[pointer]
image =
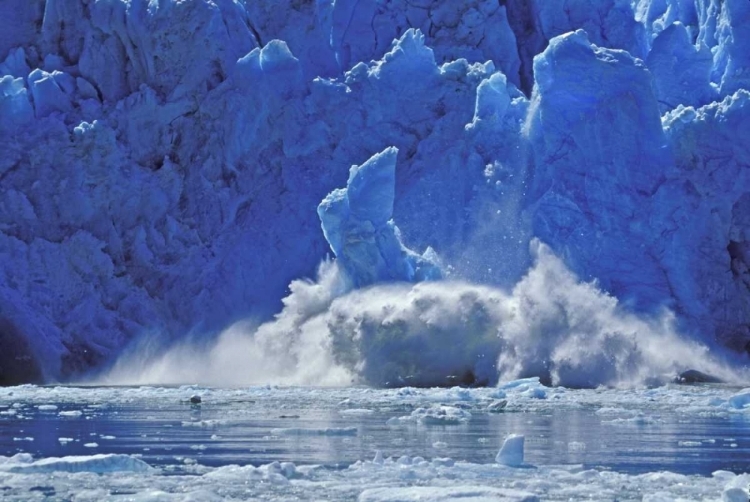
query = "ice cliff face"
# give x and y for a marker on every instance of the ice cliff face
(162, 162)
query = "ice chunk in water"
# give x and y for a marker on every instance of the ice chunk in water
(734, 495)
(329, 431)
(511, 453)
(439, 494)
(740, 400)
(94, 463)
(497, 406)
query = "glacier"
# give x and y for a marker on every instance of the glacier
(163, 166)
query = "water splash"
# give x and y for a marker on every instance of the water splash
(549, 325)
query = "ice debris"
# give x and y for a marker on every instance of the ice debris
(328, 431)
(497, 406)
(434, 415)
(512, 452)
(740, 400)
(71, 413)
(444, 494)
(94, 463)
(735, 495)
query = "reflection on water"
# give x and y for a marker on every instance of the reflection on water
(171, 432)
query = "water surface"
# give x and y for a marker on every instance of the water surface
(241, 427)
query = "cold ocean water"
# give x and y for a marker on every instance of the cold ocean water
(152, 443)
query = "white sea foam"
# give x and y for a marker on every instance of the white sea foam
(550, 325)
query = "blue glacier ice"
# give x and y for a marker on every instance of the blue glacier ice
(357, 223)
(600, 156)
(162, 162)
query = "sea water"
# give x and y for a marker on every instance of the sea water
(693, 440)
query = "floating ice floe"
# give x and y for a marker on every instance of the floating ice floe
(443, 494)
(328, 431)
(434, 415)
(357, 411)
(71, 413)
(638, 419)
(689, 444)
(94, 464)
(497, 406)
(740, 400)
(512, 452)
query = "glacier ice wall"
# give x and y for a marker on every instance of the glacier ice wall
(162, 162)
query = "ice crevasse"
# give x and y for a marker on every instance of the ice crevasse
(162, 162)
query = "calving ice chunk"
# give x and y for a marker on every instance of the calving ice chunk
(357, 223)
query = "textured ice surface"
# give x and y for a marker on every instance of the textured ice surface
(162, 163)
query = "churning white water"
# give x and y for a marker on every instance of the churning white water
(550, 325)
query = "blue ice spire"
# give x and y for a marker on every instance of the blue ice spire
(357, 224)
